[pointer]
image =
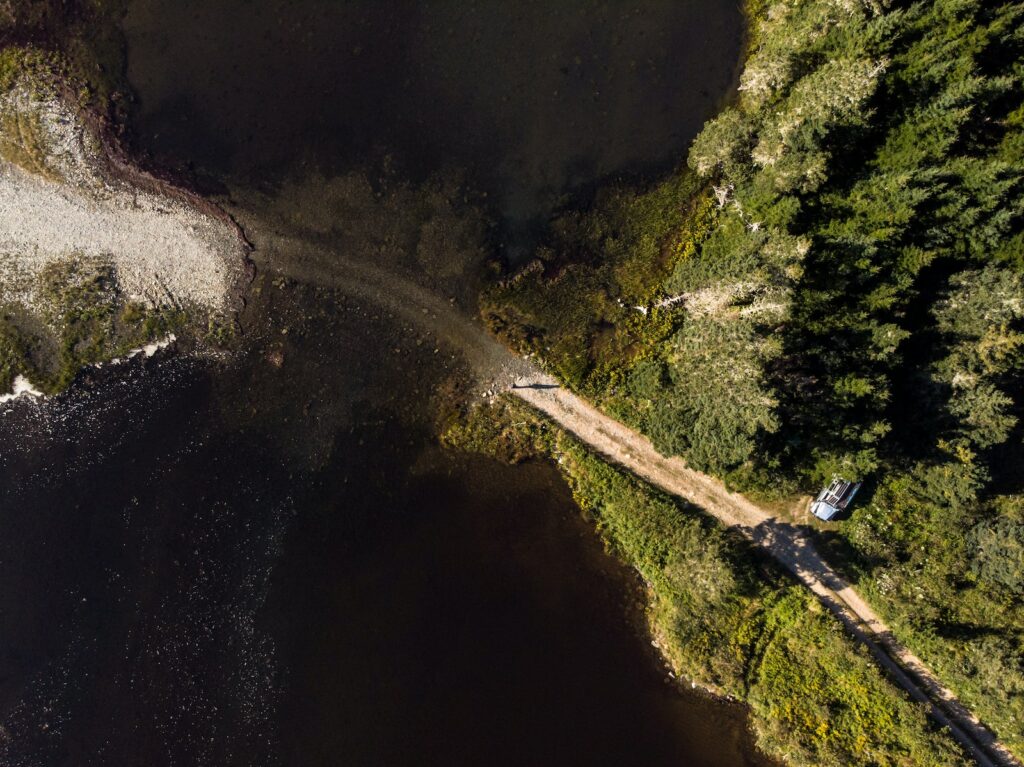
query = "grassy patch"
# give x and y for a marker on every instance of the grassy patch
(23, 143)
(80, 40)
(503, 428)
(82, 318)
(576, 305)
(852, 304)
(955, 600)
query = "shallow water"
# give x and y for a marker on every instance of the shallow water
(234, 563)
(533, 99)
(266, 560)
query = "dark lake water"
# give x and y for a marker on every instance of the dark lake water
(533, 98)
(237, 562)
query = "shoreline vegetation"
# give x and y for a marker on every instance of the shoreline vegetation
(725, 617)
(853, 216)
(99, 257)
(834, 285)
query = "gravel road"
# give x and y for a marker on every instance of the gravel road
(786, 542)
(499, 370)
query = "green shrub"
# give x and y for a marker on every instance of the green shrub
(82, 319)
(816, 697)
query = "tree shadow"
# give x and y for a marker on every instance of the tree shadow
(963, 632)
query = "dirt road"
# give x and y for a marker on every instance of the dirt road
(787, 543)
(499, 369)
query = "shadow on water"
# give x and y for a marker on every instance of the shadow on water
(534, 99)
(267, 560)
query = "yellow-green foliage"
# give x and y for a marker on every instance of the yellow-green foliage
(503, 428)
(577, 305)
(871, 181)
(727, 619)
(12, 351)
(871, 171)
(954, 599)
(23, 143)
(28, 63)
(82, 319)
(76, 43)
(220, 332)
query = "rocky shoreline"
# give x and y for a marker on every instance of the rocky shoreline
(98, 255)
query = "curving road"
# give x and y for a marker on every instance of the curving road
(498, 369)
(787, 543)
